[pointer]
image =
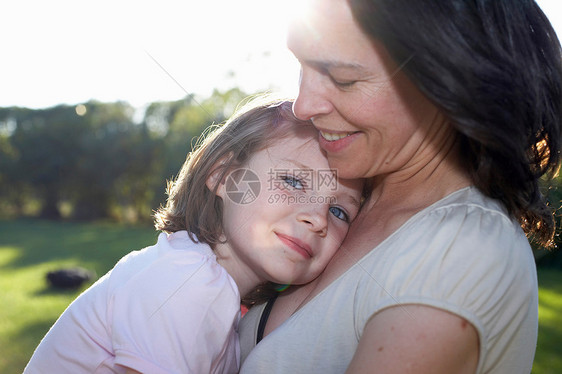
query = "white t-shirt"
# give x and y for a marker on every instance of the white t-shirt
(169, 308)
(463, 254)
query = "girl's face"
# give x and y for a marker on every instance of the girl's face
(300, 216)
(372, 119)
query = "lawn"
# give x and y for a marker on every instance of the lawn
(30, 248)
(548, 359)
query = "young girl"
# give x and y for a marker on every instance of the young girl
(255, 203)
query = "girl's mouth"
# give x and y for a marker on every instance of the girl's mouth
(296, 244)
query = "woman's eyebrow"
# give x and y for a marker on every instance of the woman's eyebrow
(334, 64)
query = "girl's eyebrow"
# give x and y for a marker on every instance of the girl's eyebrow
(354, 201)
(297, 163)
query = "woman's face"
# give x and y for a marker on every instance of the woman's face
(372, 120)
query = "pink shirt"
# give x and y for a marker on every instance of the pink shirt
(169, 308)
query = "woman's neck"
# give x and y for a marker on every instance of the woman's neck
(433, 175)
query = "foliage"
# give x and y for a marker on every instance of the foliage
(98, 163)
(552, 258)
(95, 160)
(548, 359)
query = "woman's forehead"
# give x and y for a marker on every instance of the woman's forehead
(319, 19)
(329, 38)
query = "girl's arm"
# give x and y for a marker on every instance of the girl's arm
(131, 371)
(416, 339)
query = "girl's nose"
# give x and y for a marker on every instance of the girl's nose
(315, 219)
(312, 99)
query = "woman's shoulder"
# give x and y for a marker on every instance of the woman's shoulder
(465, 217)
(460, 250)
(465, 255)
(468, 199)
(464, 227)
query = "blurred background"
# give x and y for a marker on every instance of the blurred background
(100, 102)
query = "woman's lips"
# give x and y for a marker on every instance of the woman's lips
(334, 142)
(332, 136)
(296, 245)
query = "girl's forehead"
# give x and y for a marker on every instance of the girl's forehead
(294, 134)
(296, 143)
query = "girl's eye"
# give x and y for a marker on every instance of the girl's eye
(339, 213)
(293, 182)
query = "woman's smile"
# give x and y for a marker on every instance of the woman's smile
(336, 142)
(331, 136)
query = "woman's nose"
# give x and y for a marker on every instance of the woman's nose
(312, 99)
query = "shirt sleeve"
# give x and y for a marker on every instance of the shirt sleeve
(467, 260)
(177, 315)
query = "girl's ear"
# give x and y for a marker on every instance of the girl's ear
(214, 179)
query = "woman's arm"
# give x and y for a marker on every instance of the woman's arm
(416, 339)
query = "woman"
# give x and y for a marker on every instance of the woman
(453, 108)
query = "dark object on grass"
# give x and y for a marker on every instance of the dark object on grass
(69, 278)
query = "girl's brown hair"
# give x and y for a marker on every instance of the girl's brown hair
(191, 205)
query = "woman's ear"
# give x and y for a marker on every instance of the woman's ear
(214, 180)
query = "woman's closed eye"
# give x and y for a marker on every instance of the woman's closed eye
(342, 83)
(339, 213)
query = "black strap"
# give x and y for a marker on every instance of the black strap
(264, 317)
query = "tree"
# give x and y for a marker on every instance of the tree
(95, 158)
(42, 143)
(181, 123)
(552, 257)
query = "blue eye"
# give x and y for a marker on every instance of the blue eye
(339, 213)
(293, 182)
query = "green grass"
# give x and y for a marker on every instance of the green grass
(548, 359)
(30, 248)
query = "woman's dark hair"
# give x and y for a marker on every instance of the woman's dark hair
(495, 69)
